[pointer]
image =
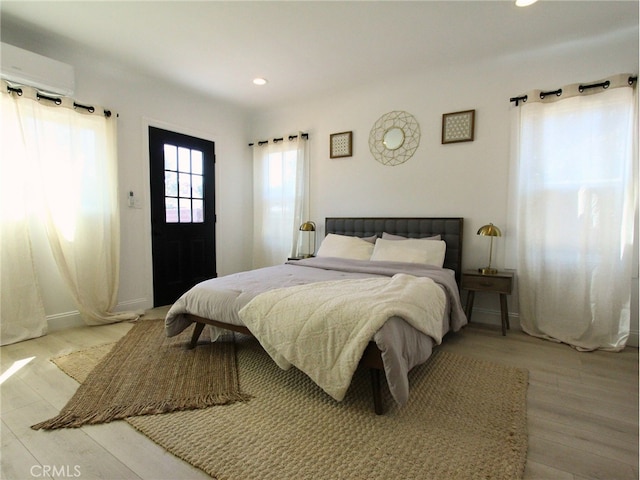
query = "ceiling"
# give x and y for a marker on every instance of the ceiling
(305, 48)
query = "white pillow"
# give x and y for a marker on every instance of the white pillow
(411, 250)
(343, 246)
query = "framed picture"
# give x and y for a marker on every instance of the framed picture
(340, 144)
(458, 126)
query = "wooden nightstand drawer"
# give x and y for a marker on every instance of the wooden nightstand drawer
(499, 283)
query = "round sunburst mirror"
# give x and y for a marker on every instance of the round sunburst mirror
(394, 138)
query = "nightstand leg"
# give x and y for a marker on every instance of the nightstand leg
(504, 313)
(470, 295)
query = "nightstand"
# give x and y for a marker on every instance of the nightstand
(501, 283)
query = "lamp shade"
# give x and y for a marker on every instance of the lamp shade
(525, 3)
(308, 227)
(489, 231)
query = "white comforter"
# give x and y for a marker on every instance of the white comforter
(323, 328)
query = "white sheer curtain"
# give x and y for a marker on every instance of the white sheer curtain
(59, 164)
(572, 211)
(280, 199)
(22, 313)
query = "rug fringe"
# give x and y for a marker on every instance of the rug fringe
(73, 420)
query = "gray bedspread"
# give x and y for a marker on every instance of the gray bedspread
(401, 345)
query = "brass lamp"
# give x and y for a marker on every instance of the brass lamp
(489, 231)
(310, 228)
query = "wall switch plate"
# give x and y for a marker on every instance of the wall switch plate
(133, 201)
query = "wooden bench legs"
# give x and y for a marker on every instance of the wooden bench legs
(377, 390)
(196, 335)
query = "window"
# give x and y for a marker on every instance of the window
(183, 180)
(58, 169)
(573, 216)
(280, 198)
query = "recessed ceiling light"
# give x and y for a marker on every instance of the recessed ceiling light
(525, 3)
(259, 81)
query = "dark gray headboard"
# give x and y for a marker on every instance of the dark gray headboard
(449, 228)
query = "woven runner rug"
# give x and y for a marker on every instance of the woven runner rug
(146, 373)
(466, 419)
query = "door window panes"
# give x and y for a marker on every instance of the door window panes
(185, 210)
(170, 157)
(196, 186)
(184, 159)
(196, 162)
(197, 207)
(183, 185)
(170, 184)
(171, 209)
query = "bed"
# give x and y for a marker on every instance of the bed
(297, 292)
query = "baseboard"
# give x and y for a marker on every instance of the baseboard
(61, 321)
(64, 320)
(138, 305)
(487, 316)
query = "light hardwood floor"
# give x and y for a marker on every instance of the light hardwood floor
(582, 411)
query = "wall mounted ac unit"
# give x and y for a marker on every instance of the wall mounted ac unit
(28, 68)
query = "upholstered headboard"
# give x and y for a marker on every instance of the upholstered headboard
(450, 230)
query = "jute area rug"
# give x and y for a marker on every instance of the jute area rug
(466, 419)
(146, 373)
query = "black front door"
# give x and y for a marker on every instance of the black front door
(182, 212)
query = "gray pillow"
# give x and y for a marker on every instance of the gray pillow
(390, 236)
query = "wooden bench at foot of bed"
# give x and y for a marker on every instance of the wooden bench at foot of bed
(371, 357)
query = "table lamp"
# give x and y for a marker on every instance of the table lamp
(489, 231)
(310, 228)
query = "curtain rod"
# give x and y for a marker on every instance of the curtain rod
(57, 100)
(581, 88)
(276, 140)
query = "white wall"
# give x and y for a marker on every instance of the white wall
(465, 179)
